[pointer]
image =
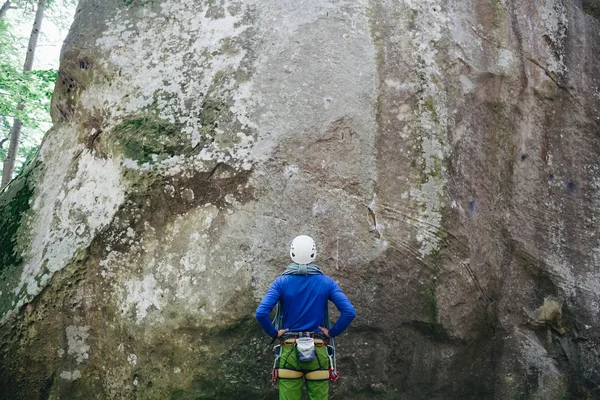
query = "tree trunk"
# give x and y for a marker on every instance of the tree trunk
(4, 8)
(15, 135)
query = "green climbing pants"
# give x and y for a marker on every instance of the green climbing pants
(291, 389)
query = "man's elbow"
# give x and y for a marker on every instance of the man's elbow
(261, 314)
(351, 314)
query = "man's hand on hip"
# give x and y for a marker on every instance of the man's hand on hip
(282, 332)
(325, 331)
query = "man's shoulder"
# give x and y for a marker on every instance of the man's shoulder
(332, 281)
(326, 279)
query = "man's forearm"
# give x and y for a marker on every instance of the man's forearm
(265, 323)
(342, 323)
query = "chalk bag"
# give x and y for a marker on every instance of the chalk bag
(306, 348)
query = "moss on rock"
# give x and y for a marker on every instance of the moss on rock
(147, 139)
(12, 209)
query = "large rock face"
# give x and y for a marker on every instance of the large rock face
(443, 153)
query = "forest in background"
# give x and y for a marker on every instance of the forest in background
(25, 92)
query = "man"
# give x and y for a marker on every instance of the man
(302, 293)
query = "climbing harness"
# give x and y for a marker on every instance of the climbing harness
(294, 339)
(334, 375)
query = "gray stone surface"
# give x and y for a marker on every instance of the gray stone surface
(443, 153)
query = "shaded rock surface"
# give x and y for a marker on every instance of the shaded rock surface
(443, 153)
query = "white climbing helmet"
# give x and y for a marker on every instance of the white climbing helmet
(303, 249)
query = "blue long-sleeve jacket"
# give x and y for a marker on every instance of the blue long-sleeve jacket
(304, 299)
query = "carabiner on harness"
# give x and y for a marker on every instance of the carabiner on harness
(334, 375)
(277, 354)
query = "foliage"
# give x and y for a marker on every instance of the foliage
(57, 11)
(33, 89)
